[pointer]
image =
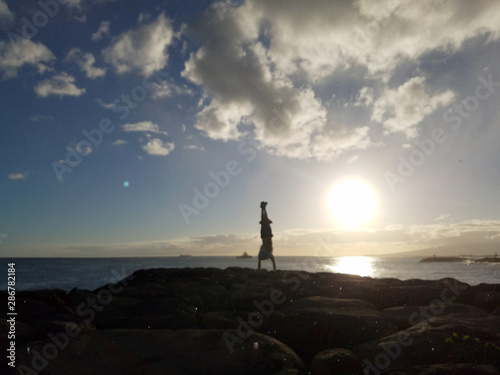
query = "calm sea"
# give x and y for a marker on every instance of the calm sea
(90, 273)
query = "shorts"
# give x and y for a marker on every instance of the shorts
(263, 254)
(267, 242)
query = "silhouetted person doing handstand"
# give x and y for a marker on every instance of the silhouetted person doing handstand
(266, 250)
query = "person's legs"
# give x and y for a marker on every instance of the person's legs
(263, 216)
(267, 242)
(263, 213)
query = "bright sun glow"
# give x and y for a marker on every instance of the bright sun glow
(352, 202)
(361, 266)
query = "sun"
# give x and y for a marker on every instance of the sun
(352, 202)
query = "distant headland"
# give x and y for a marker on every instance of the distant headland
(437, 259)
(442, 259)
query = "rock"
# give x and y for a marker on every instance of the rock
(219, 320)
(488, 301)
(336, 362)
(290, 372)
(446, 369)
(404, 317)
(155, 352)
(453, 338)
(175, 320)
(317, 303)
(483, 296)
(458, 369)
(30, 309)
(313, 324)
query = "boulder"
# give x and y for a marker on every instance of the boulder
(158, 352)
(187, 321)
(488, 301)
(336, 362)
(313, 324)
(446, 369)
(455, 338)
(404, 317)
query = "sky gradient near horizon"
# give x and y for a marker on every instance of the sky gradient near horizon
(150, 128)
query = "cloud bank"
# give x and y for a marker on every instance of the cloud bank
(143, 49)
(261, 67)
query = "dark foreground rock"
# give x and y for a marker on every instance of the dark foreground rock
(242, 321)
(158, 352)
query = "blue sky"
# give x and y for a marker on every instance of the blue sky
(117, 116)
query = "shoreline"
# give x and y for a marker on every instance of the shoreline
(91, 273)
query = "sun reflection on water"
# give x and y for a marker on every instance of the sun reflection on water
(362, 266)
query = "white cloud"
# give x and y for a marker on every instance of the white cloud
(262, 58)
(166, 89)
(194, 147)
(74, 3)
(402, 109)
(36, 118)
(453, 239)
(143, 49)
(156, 146)
(119, 142)
(5, 13)
(18, 176)
(442, 217)
(352, 159)
(14, 55)
(244, 88)
(61, 84)
(102, 31)
(86, 63)
(144, 126)
(104, 104)
(81, 19)
(365, 97)
(377, 35)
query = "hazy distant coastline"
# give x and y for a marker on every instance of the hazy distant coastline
(436, 259)
(473, 251)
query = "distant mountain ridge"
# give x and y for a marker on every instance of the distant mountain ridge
(477, 249)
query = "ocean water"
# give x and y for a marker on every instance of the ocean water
(90, 273)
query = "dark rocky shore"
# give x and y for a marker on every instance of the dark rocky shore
(243, 321)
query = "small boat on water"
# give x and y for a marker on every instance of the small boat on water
(245, 255)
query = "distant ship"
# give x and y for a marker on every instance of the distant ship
(245, 255)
